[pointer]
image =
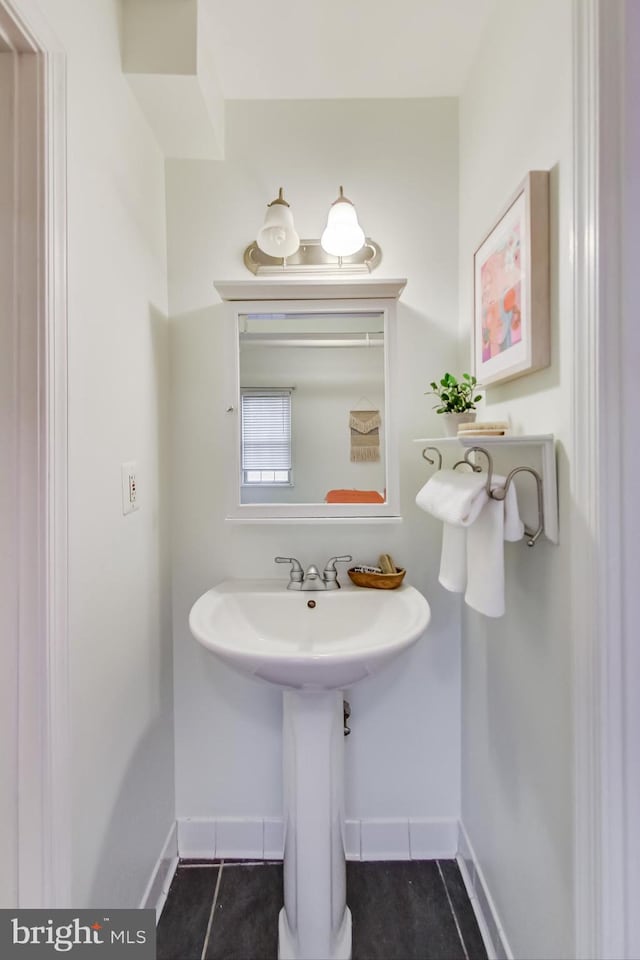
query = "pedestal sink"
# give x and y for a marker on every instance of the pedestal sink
(314, 645)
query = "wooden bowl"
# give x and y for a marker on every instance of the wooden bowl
(379, 581)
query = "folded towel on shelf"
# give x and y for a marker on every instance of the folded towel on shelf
(454, 496)
(354, 496)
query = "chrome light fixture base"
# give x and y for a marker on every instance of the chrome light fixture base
(310, 258)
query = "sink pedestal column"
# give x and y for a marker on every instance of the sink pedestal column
(315, 922)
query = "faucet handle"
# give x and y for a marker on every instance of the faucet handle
(296, 573)
(330, 573)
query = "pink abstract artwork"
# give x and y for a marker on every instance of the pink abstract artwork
(501, 296)
(511, 328)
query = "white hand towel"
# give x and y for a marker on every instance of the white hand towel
(454, 496)
(453, 558)
(485, 561)
(513, 525)
(498, 521)
(474, 530)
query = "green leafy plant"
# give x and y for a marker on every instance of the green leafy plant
(455, 396)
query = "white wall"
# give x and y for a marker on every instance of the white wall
(398, 161)
(121, 694)
(517, 800)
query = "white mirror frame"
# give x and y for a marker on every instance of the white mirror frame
(252, 512)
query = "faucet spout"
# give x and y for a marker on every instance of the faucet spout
(313, 579)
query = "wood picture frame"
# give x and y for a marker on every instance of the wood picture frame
(511, 287)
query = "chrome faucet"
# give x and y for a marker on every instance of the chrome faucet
(312, 579)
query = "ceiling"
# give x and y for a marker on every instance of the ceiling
(310, 49)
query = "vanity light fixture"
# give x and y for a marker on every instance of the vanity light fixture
(343, 248)
(342, 235)
(278, 237)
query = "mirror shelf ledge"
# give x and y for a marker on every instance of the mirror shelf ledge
(309, 521)
(316, 288)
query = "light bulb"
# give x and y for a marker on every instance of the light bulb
(278, 237)
(343, 235)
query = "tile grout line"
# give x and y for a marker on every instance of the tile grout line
(211, 915)
(453, 912)
(198, 866)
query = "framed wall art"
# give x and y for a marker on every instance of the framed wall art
(511, 287)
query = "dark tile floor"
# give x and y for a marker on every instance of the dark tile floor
(410, 910)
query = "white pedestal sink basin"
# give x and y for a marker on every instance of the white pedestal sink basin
(314, 644)
(321, 640)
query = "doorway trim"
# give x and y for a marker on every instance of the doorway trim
(44, 797)
(605, 600)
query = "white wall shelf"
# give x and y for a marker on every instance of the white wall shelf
(538, 450)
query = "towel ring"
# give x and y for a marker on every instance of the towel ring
(476, 467)
(429, 460)
(501, 492)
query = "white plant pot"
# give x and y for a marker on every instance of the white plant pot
(451, 421)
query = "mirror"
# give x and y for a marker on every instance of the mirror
(312, 409)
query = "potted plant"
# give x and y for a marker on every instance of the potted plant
(456, 400)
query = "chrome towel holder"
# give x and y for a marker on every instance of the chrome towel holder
(497, 493)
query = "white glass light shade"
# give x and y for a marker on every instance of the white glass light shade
(343, 235)
(278, 237)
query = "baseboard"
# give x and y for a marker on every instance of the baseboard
(399, 839)
(162, 874)
(367, 839)
(262, 838)
(481, 900)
